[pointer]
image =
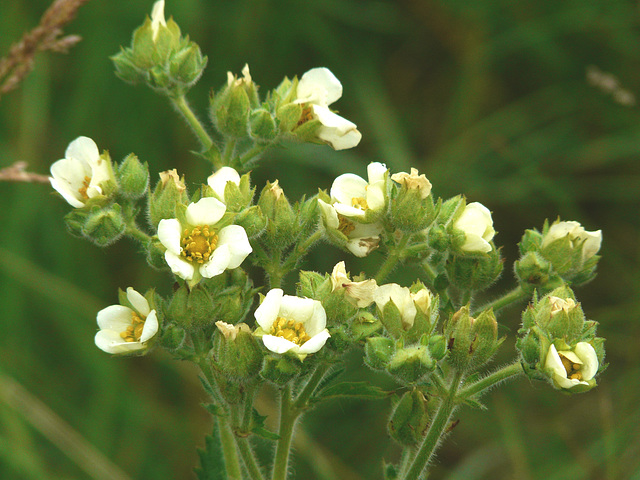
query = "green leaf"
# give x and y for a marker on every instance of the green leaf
(351, 390)
(258, 428)
(212, 466)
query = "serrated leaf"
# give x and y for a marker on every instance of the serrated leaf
(258, 428)
(212, 466)
(362, 390)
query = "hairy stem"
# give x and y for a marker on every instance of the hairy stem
(180, 103)
(288, 418)
(436, 430)
(229, 450)
(507, 299)
(491, 380)
(395, 255)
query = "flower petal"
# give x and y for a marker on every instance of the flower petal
(110, 341)
(329, 214)
(589, 359)
(218, 181)
(178, 266)
(278, 344)
(319, 86)
(170, 234)
(114, 317)
(83, 149)
(267, 312)
(235, 237)
(138, 302)
(296, 308)
(315, 343)
(218, 262)
(317, 321)
(150, 327)
(206, 211)
(348, 186)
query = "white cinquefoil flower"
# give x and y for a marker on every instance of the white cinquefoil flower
(124, 329)
(477, 225)
(292, 324)
(577, 235)
(82, 174)
(218, 180)
(362, 238)
(319, 88)
(360, 293)
(401, 298)
(570, 368)
(197, 247)
(354, 197)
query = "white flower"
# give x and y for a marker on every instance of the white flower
(218, 180)
(292, 324)
(230, 331)
(82, 174)
(577, 235)
(353, 196)
(477, 225)
(126, 330)
(561, 305)
(361, 293)
(422, 299)
(401, 298)
(362, 238)
(413, 181)
(570, 368)
(197, 248)
(320, 88)
(157, 18)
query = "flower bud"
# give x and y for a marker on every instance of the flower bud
(409, 420)
(438, 347)
(475, 224)
(410, 364)
(281, 219)
(170, 192)
(474, 272)
(237, 351)
(412, 207)
(104, 226)
(230, 111)
(396, 307)
(572, 369)
(458, 330)
(280, 369)
(262, 125)
(535, 273)
(378, 352)
(191, 308)
(173, 337)
(484, 332)
(288, 117)
(133, 177)
(252, 220)
(187, 65)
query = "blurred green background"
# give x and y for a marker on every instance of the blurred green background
(487, 98)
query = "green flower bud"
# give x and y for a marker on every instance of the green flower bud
(237, 351)
(187, 65)
(458, 331)
(409, 420)
(104, 226)
(313, 285)
(133, 177)
(438, 238)
(191, 308)
(437, 347)
(410, 364)
(471, 272)
(412, 207)
(535, 273)
(288, 117)
(75, 220)
(263, 126)
(485, 341)
(378, 352)
(280, 369)
(170, 192)
(128, 70)
(252, 220)
(172, 337)
(281, 219)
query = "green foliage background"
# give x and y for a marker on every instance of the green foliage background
(487, 98)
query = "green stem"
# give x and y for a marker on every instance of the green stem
(134, 231)
(507, 299)
(251, 153)
(310, 386)
(394, 257)
(504, 373)
(249, 458)
(274, 271)
(229, 148)
(180, 103)
(230, 451)
(436, 430)
(288, 418)
(300, 251)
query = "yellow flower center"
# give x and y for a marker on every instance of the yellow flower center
(198, 244)
(360, 202)
(289, 330)
(573, 369)
(83, 189)
(306, 115)
(345, 226)
(133, 331)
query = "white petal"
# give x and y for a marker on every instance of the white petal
(69, 195)
(361, 247)
(157, 18)
(317, 321)
(337, 131)
(376, 195)
(138, 302)
(349, 211)
(348, 186)
(475, 243)
(315, 343)
(83, 149)
(235, 237)
(589, 359)
(267, 312)
(150, 327)
(363, 230)
(170, 234)
(475, 219)
(114, 317)
(376, 172)
(296, 308)
(319, 86)
(218, 181)
(68, 178)
(206, 211)
(592, 244)
(179, 266)
(218, 262)
(110, 341)
(329, 214)
(559, 230)
(279, 344)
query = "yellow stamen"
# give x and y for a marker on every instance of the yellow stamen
(359, 202)
(572, 369)
(133, 331)
(198, 244)
(85, 186)
(345, 226)
(289, 330)
(305, 116)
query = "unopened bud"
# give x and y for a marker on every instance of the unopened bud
(170, 192)
(104, 226)
(378, 352)
(133, 177)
